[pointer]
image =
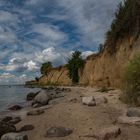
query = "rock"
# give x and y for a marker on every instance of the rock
(15, 120)
(58, 132)
(101, 100)
(90, 101)
(14, 136)
(6, 128)
(6, 119)
(11, 120)
(108, 133)
(31, 96)
(15, 107)
(133, 112)
(129, 120)
(35, 112)
(26, 128)
(41, 98)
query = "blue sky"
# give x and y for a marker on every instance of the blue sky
(36, 31)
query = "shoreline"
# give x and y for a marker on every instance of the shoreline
(69, 112)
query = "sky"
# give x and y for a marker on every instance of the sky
(36, 31)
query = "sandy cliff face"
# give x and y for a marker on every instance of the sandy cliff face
(102, 70)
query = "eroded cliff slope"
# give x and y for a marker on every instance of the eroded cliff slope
(103, 69)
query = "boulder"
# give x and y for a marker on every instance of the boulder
(108, 133)
(6, 128)
(133, 112)
(26, 128)
(90, 101)
(14, 136)
(129, 120)
(11, 120)
(15, 107)
(41, 98)
(35, 112)
(58, 132)
(31, 96)
(6, 118)
(15, 120)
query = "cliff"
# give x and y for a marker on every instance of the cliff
(103, 69)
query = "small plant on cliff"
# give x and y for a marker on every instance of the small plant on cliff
(74, 64)
(45, 68)
(131, 81)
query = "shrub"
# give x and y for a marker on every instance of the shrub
(131, 81)
(45, 68)
(74, 64)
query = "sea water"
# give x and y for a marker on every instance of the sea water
(12, 95)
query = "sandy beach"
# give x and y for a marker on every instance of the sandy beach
(69, 112)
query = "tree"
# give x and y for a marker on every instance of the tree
(125, 23)
(45, 68)
(74, 64)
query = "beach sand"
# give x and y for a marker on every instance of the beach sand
(69, 112)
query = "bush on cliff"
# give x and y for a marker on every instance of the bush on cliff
(45, 68)
(131, 81)
(74, 64)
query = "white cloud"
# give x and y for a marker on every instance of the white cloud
(8, 17)
(31, 66)
(50, 32)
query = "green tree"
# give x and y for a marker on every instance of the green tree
(125, 23)
(74, 64)
(45, 68)
(131, 81)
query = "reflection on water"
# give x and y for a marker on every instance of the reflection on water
(10, 95)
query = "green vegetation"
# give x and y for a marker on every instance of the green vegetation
(74, 64)
(104, 89)
(125, 23)
(131, 81)
(45, 68)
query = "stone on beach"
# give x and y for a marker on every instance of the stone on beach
(26, 128)
(133, 112)
(14, 136)
(6, 128)
(15, 107)
(41, 98)
(58, 132)
(35, 112)
(90, 101)
(107, 133)
(129, 120)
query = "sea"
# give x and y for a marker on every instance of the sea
(14, 95)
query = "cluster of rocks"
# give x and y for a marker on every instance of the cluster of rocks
(39, 99)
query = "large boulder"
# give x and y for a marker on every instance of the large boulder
(6, 128)
(133, 112)
(58, 132)
(41, 98)
(108, 133)
(14, 136)
(90, 101)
